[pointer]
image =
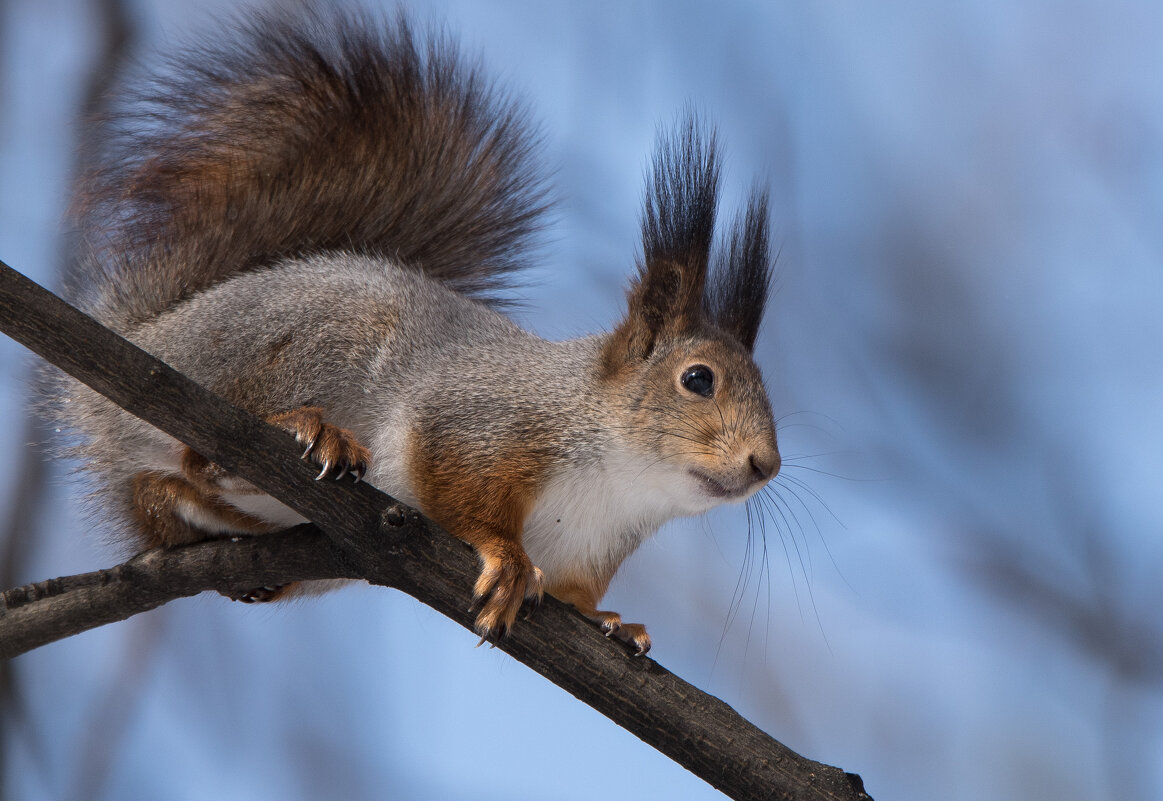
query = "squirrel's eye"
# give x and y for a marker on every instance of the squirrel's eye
(699, 379)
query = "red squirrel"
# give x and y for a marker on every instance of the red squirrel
(310, 217)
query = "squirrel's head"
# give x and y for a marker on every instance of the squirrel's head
(682, 357)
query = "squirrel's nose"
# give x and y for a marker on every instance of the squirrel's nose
(764, 466)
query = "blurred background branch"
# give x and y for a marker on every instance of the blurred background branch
(113, 32)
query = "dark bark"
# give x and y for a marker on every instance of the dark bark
(367, 535)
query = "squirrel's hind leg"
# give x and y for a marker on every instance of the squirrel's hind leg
(171, 510)
(180, 508)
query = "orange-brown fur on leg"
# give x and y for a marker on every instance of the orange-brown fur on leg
(584, 595)
(203, 473)
(155, 498)
(163, 505)
(483, 502)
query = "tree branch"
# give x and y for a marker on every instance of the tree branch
(37, 614)
(367, 535)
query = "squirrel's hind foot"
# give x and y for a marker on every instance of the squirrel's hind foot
(262, 595)
(633, 634)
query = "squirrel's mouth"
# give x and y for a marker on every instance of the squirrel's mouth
(714, 487)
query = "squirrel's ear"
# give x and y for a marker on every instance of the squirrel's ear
(738, 287)
(678, 224)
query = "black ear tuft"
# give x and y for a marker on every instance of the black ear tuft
(678, 225)
(738, 289)
(682, 192)
(672, 293)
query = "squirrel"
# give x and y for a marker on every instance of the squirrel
(312, 215)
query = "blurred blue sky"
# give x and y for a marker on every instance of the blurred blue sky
(963, 600)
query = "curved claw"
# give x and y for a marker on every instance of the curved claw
(343, 472)
(323, 472)
(530, 606)
(310, 447)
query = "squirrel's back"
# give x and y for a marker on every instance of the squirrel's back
(323, 131)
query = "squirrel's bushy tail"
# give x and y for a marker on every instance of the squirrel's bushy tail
(322, 131)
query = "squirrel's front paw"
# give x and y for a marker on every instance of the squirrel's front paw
(506, 581)
(334, 449)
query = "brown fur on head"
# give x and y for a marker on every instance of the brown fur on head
(724, 434)
(692, 319)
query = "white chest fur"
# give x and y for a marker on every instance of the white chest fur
(592, 518)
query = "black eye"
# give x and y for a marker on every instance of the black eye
(699, 379)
